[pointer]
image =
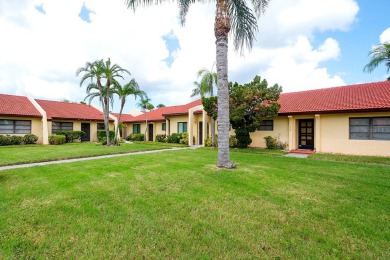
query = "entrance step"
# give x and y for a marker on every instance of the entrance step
(302, 151)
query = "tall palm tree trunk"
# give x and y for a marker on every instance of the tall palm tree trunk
(106, 120)
(221, 31)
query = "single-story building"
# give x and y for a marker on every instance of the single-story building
(21, 115)
(351, 119)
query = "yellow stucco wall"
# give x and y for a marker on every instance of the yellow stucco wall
(36, 126)
(280, 132)
(334, 136)
(77, 127)
(176, 119)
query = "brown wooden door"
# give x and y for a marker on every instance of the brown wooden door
(150, 130)
(86, 128)
(306, 134)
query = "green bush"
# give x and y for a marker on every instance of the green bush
(10, 140)
(135, 137)
(208, 141)
(4, 140)
(101, 135)
(71, 136)
(243, 138)
(15, 140)
(30, 139)
(174, 138)
(232, 141)
(161, 138)
(57, 139)
(184, 138)
(274, 143)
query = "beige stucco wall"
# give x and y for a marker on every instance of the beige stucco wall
(280, 131)
(77, 127)
(334, 136)
(36, 126)
(176, 119)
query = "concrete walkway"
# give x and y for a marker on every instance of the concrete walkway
(17, 166)
(297, 155)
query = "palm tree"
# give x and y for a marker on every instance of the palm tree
(100, 71)
(208, 80)
(379, 54)
(237, 16)
(144, 104)
(131, 88)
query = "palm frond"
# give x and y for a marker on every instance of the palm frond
(243, 24)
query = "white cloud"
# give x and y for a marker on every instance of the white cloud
(41, 52)
(385, 36)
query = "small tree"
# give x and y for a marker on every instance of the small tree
(249, 105)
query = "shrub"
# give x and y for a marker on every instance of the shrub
(101, 135)
(30, 139)
(10, 140)
(57, 139)
(232, 141)
(161, 138)
(70, 136)
(135, 137)
(174, 138)
(208, 141)
(274, 143)
(15, 140)
(184, 138)
(243, 138)
(4, 140)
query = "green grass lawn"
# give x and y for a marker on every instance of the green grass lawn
(20, 154)
(177, 204)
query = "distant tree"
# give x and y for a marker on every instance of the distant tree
(129, 89)
(65, 100)
(83, 102)
(250, 104)
(208, 80)
(160, 105)
(380, 54)
(231, 16)
(103, 75)
(145, 105)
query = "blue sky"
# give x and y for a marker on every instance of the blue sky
(302, 44)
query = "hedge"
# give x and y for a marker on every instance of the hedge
(101, 135)
(17, 140)
(135, 137)
(71, 136)
(57, 139)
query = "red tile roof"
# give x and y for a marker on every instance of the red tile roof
(19, 106)
(160, 113)
(70, 111)
(353, 98)
(124, 117)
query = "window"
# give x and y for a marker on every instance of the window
(181, 127)
(100, 126)
(56, 126)
(136, 128)
(15, 126)
(164, 126)
(369, 128)
(266, 125)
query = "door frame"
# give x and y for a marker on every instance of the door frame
(200, 133)
(150, 132)
(306, 134)
(87, 137)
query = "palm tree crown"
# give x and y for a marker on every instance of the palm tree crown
(380, 54)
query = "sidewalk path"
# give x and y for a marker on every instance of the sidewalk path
(2, 168)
